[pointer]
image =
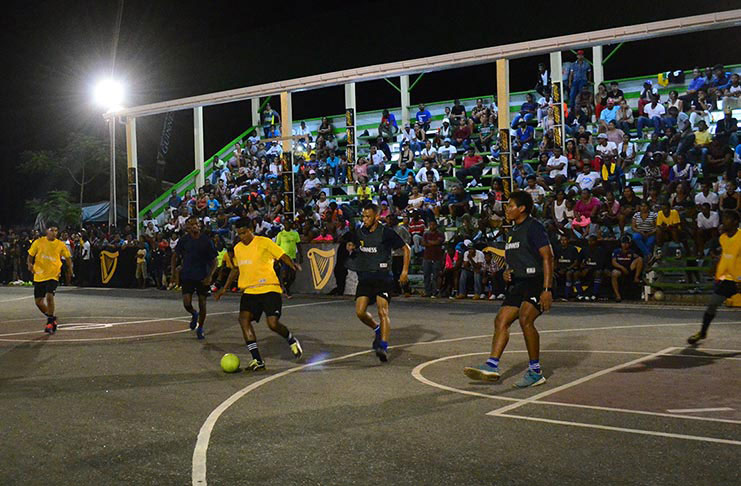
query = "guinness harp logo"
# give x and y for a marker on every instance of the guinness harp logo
(322, 265)
(108, 263)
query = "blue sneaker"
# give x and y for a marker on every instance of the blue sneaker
(199, 333)
(194, 320)
(530, 378)
(485, 372)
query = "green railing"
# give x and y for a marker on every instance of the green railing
(188, 182)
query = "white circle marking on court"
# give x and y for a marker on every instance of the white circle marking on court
(204, 434)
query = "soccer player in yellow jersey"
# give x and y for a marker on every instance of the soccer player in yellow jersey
(45, 263)
(254, 259)
(727, 272)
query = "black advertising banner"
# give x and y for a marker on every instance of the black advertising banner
(317, 268)
(505, 169)
(287, 174)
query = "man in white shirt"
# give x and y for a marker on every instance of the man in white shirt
(429, 153)
(559, 165)
(473, 261)
(421, 176)
(605, 147)
(707, 227)
(378, 162)
(707, 196)
(312, 183)
(447, 152)
(303, 131)
(654, 112)
(587, 178)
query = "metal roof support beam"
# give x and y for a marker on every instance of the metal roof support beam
(649, 30)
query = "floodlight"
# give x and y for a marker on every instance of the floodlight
(109, 94)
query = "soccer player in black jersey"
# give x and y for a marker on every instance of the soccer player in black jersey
(529, 273)
(370, 256)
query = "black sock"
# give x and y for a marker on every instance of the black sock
(707, 318)
(252, 346)
(49, 318)
(290, 338)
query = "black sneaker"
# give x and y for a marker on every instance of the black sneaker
(382, 354)
(376, 342)
(695, 338)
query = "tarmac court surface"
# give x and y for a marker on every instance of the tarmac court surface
(123, 393)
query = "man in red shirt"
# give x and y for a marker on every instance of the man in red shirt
(473, 165)
(417, 229)
(432, 259)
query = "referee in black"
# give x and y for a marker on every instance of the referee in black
(369, 252)
(529, 273)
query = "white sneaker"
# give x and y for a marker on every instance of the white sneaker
(482, 296)
(500, 297)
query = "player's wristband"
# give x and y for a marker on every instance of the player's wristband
(547, 289)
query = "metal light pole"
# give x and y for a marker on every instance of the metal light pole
(112, 205)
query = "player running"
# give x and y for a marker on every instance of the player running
(198, 254)
(45, 263)
(529, 260)
(254, 257)
(370, 256)
(727, 272)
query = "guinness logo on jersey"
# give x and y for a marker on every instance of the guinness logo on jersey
(369, 249)
(512, 246)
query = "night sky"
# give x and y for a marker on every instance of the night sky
(55, 51)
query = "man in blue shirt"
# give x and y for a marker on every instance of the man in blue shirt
(697, 83)
(213, 204)
(527, 111)
(423, 117)
(403, 174)
(523, 143)
(609, 113)
(578, 76)
(333, 162)
(174, 200)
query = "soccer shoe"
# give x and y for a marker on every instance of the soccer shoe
(695, 338)
(296, 349)
(255, 365)
(383, 354)
(376, 342)
(49, 328)
(484, 372)
(530, 378)
(194, 320)
(199, 333)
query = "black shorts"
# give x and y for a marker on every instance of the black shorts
(373, 288)
(40, 289)
(524, 290)
(195, 286)
(726, 288)
(270, 303)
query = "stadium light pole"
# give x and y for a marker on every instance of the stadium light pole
(109, 95)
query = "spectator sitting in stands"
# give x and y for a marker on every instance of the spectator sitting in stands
(473, 261)
(447, 153)
(423, 117)
(543, 84)
(524, 140)
(444, 133)
(702, 145)
(459, 202)
(492, 276)
(609, 113)
(625, 264)
(592, 268)
(600, 100)
(401, 175)
(458, 113)
(388, 128)
(707, 227)
(478, 111)
(700, 110)
(428, 154)
(726, 130)
(486, 134)
(616, 93)
(732, 94)
(528, 111)
(462, 136)
(473, 165)
(566, 260)
(669, 226)
(647, 93)
(654, 111)
(312, 182)
(643, 229)
(377, 164)
(421, 177)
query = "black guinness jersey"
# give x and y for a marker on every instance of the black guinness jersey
(522, 251)
(372, 255)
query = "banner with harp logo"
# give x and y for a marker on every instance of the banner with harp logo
(319, 261)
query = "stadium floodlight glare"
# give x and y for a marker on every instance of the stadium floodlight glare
(109, 94)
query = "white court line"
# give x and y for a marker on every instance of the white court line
(623, 429)
(417, 374)
(17, 298)
(581, 380)
(694, 410)
(200, 452)
(143, 321)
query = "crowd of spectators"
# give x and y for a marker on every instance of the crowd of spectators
(613, 201)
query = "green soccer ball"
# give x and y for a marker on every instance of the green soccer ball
(230, 363)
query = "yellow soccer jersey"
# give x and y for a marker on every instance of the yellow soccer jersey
(729, 266)
(47, 258)
(255, 262)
